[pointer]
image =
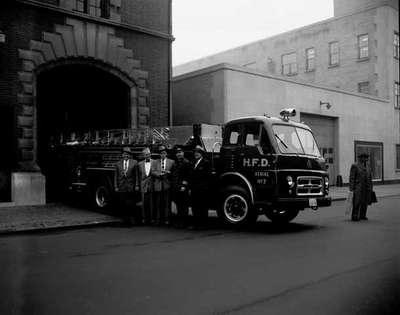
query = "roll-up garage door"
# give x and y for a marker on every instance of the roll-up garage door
(324, 131)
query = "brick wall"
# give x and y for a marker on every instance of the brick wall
(153, 54)
(22, 23)
(153, 14)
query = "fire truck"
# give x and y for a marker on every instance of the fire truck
(260, 164)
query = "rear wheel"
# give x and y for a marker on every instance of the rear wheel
(282, 216)
(236, 208)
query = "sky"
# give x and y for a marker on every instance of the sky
(205, 27)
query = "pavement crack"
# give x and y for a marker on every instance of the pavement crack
(300, 287)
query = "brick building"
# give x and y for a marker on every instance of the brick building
(77, 65)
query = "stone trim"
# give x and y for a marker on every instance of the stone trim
(75, 42)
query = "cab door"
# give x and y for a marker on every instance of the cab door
(230, 148)
(255, 158)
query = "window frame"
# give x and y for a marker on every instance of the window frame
(310, 68)
(334, 52)
(397, 157)
(360, 87)
(396, 45)
(96, 8)
(290, 64)
(363, 45)
(84, 4)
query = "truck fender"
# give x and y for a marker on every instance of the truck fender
(241, 179)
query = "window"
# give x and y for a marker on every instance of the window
(310, 59)
(375, 153)
(81, 6)
(232, 134)
(396, 45)
(363, 46)
(363, 87)
(333, 53)
(398, 156)
(396, 94)
(252, 134)
(289, 64)
(295, 140)
(100, 8)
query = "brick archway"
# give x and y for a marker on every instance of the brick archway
(75, 42)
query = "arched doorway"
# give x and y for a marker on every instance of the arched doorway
(75, 98)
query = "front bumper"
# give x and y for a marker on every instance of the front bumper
(78, 187)
(302, 203)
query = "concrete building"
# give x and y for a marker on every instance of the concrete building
(356, 51)
(76, 65)
(344, 123)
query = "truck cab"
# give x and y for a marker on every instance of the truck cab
(270, 166)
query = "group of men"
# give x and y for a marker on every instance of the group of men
(158, 182)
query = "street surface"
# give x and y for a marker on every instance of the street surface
(322, 263)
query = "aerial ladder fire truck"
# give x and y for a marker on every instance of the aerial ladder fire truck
(260, 164)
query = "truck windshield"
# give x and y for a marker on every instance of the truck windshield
(295, 140)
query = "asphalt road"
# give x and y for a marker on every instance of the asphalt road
(322, 263)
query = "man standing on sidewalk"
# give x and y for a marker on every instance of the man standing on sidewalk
(126, 182)
(180, 189)
(162, 187)
(199, 183)
(144, 185)
(360, 184)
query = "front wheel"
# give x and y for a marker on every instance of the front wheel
(281, 216)
(101, 196)
(236, 208)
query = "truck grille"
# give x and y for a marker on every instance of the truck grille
(309, 185)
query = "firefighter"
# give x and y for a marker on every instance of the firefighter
(162, 187)
(180, 189)
(199, 182)
(126, 169)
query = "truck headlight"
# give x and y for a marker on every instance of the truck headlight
(290, 181)
(326, 183)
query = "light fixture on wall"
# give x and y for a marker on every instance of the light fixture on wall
(327, 104)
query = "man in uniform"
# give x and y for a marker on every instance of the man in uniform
(162, 187)
(126, 182)
(199, 182)
(180, 179)
(144, 185)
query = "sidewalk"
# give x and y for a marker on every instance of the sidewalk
(50, 217)
(56, 216)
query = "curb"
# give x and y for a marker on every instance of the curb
(52, 228)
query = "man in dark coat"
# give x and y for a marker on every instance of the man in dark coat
(360, 183)
(199, 183)
(180, 189)
(162, 187)
(126, 182)
(144, 185)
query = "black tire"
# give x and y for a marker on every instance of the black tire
(281, 216)
(100, 195)
(236, 208)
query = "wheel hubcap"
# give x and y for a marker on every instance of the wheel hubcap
(235, 208)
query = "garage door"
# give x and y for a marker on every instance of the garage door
(324, 131)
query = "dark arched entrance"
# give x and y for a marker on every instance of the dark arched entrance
(79, 98)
